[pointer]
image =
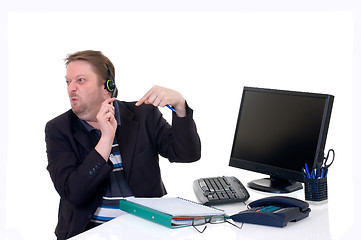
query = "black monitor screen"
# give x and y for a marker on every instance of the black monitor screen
(279, 131)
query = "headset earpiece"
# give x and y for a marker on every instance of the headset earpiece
(110, 83)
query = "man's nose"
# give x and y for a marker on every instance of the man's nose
(72, 87)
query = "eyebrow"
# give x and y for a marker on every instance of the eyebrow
(77, 76)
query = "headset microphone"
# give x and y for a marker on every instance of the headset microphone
(110, 83)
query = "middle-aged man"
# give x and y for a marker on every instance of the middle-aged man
(104, 148)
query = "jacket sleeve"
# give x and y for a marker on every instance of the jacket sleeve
(77, 173)
(179, 142)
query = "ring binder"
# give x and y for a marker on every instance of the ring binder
(169, 212)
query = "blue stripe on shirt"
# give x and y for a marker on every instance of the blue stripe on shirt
(118, 165)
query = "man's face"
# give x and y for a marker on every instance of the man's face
(84, 91)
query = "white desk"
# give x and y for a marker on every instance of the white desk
(127, 226)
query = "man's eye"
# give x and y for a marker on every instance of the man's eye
(67, 82)
(81, 79)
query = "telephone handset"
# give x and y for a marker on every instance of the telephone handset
(274, 211)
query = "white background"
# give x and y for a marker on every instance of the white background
(205, 50)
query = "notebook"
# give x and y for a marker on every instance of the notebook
(170, 212)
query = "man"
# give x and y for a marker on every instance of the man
(103, 147)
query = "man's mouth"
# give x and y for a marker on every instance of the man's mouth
(74, 99)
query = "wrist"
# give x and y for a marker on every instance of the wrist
(180, 109)
(103, 147)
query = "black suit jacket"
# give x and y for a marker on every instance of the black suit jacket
(80, 174)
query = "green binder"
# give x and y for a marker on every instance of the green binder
(169, 212)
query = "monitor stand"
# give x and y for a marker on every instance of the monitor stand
(275, 185)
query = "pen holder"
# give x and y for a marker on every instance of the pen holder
(316, 189)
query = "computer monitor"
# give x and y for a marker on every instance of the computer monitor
(277, 132)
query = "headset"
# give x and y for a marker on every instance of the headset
(110, 83)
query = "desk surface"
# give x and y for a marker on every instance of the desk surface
(128, 226)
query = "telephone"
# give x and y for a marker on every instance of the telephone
(273, 211)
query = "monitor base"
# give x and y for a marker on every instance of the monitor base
(275, 185)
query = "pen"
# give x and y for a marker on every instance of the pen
(304, 172)
(314, 173)
(322, 173)
(170, 107)
(307, 172)
(325, 173)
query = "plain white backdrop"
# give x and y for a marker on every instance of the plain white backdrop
(208, 56)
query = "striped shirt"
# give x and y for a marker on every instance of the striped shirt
(117, 187)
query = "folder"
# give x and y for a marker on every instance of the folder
(169, 212)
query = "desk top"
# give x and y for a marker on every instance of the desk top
(128, 226)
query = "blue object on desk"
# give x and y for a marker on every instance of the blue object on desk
(307, 171)
(321, 166)
(274, 211)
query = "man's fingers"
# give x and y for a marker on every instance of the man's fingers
(145, 98)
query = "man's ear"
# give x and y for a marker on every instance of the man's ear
(106, 92)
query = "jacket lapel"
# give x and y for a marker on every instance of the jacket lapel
(82, 136)
(127, 135)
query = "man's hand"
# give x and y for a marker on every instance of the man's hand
(160, 97)
(107, 125)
